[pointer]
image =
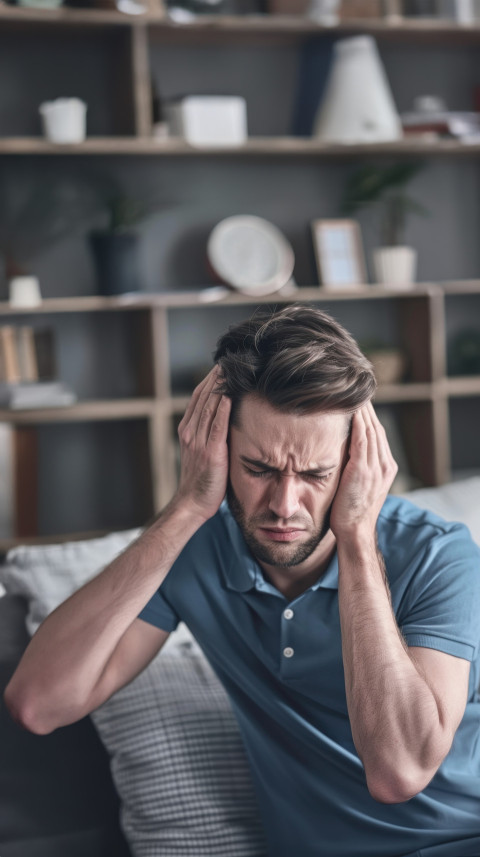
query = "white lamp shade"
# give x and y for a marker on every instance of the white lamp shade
(358, 105)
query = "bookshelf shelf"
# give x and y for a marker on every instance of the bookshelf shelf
(254, 147)
(82, 412)
(204, 26)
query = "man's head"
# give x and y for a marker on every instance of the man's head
(299, 359)
(294, 377)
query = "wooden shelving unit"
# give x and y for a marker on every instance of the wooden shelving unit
(422, 402)
(422, 398)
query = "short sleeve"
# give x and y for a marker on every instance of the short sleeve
(441, 608)
(160, 613)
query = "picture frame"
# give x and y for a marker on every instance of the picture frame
(339, 254)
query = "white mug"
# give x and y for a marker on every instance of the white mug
(24, 291)
(64, 120)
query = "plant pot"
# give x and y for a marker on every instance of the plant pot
(117, 261)
(395, 266)
(389, 364)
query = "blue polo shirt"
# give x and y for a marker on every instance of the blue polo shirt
(281, 664)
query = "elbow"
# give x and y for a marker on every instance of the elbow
(387, 793)
(25, 712)
(395, 788)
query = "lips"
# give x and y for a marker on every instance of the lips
(277, 534)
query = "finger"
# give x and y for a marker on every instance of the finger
(384, 451)
(358, 442)
(206, 413)
(388, 465)
(371, 437)
(199, 395)
(219, 426)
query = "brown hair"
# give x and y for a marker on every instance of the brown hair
(298, 358)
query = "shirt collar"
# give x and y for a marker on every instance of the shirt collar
(244, 573)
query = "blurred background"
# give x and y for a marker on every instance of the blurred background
(166, 169)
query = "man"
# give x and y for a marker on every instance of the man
(345, 625)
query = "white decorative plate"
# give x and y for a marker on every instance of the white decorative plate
(250, 254)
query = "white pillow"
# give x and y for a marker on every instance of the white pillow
(45, 575)
(456, 501)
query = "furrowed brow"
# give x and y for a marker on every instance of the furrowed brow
(316, 471)
(258, 463)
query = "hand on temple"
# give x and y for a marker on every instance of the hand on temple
(203, 435)
(366, 479)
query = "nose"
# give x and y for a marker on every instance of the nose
(284, 499)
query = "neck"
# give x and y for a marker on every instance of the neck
(292, 581)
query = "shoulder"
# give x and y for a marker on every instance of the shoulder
(408, 534)
(211, 546)
(400, 516)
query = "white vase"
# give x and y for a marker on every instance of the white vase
(395, 266)
(358, 105)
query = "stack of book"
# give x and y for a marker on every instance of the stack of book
(27, 370)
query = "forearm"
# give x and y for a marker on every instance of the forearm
(67, 656)
(394, 716)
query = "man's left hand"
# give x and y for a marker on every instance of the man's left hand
(366, 479)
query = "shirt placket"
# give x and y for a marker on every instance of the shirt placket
(288, 652)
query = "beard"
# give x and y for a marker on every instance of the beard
(281, 555)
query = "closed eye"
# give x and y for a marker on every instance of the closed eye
(312, 477)
(317, 477)
(258, 473)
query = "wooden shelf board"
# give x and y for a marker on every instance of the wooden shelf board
(68, 17)
(461, 287)
(87, 303)
(293, 26)
(115, 409)
(406, 392)
(462, 386)
(193, 299)
(254, 147)
(176, 405)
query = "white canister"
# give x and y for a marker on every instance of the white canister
(358, 105)
(64, 120)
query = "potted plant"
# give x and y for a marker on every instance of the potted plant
(384, 188)
(115, 248)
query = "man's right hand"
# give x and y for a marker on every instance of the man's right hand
(203, 446)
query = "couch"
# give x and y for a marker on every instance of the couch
(159, 770)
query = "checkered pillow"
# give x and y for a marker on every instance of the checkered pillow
(178, 763)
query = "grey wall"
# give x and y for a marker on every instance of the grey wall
(188, 196)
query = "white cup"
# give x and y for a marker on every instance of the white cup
(64, 120)
(24, 292)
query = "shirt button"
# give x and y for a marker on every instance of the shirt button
(288, 614)
(288, 652)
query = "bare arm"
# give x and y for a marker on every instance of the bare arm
(404, 704)
(93, 643)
